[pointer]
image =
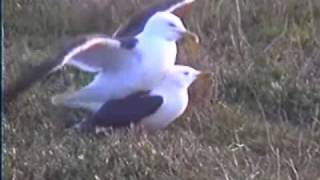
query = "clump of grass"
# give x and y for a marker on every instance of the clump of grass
(265, 56)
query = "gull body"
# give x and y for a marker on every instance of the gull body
(173, 91)
(154, 109)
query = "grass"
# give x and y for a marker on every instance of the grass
(257, 118)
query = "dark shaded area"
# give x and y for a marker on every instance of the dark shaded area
(123, 112)
(26, 81)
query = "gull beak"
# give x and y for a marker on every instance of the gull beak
(190, 35)
(204, 75)
(190, 43)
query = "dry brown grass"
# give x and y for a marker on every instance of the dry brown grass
(257, 118)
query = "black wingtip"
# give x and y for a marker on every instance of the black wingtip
(40, 71)
(28, 79)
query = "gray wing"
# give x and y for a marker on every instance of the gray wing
(99, 52)
(136, 24)
(122, 112)
(93, 53)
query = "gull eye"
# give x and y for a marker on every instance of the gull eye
(186, 73)
(171, 24)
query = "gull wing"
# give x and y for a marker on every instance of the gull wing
(92, 53)
(99, 52)
(122, 112)
(136, 24)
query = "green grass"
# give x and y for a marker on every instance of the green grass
(258, 120)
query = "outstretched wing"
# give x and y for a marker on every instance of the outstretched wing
(122, 112)
(136, 24)
(92, 53)
(99, 52)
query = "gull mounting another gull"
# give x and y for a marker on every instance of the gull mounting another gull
(88, 48)
(125, 65)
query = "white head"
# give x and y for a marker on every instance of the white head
(168, 26)
(183, 76)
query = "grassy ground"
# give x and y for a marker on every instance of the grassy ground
(258, 120)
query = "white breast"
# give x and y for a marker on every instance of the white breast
(160, 56)
(175, 103)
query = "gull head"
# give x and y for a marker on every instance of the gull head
(167, 26)
(184, 76)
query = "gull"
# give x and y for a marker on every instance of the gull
(153, 109)
(93, 58)
(124, 65)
